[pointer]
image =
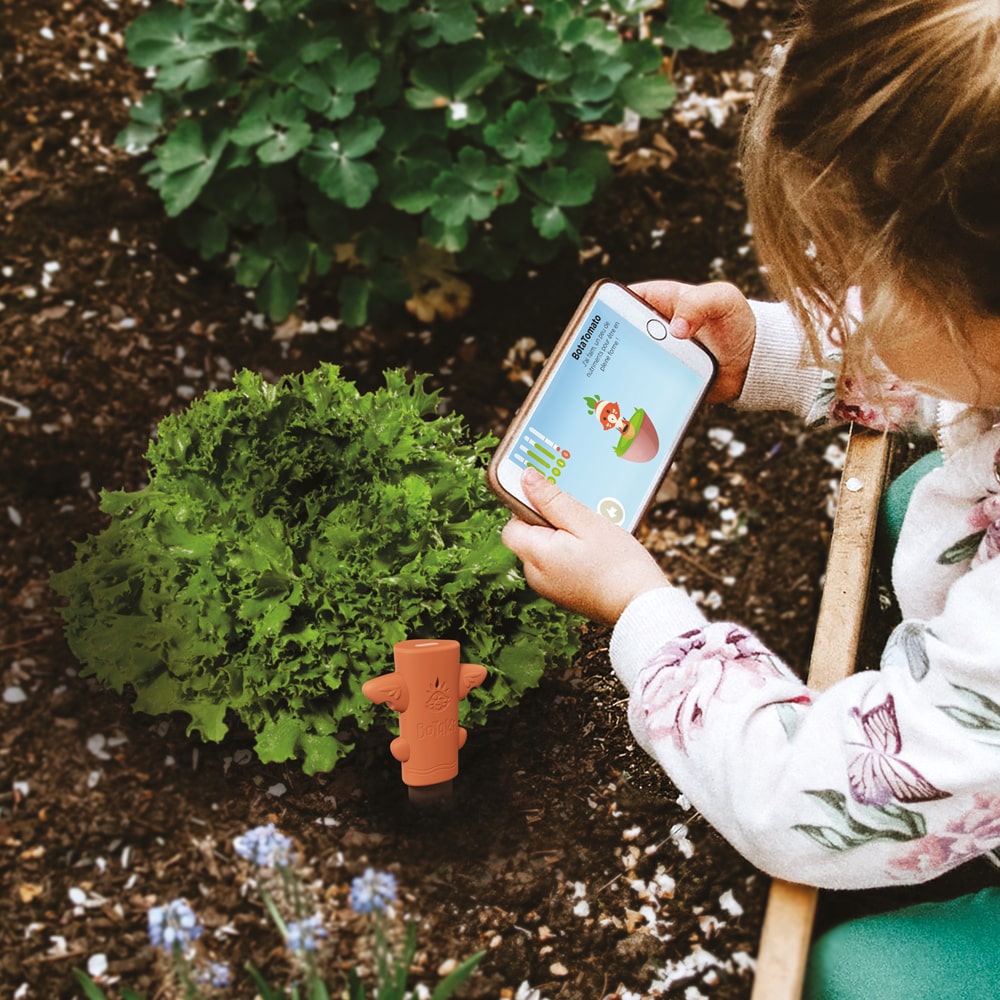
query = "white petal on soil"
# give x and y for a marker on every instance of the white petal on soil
(728, 903)
(97, 965)
(14, 695)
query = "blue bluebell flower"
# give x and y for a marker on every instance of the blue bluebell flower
(373, 891)
(173, 926)
(215, 974)
(303, 936)
(265, 847)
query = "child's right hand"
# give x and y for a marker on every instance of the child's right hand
(716, 315)
(580, 560)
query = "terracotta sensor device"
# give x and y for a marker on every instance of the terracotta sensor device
(425, 689)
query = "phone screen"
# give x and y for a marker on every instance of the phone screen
(611, 415)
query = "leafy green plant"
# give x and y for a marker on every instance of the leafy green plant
(289, 536)
(309, 138)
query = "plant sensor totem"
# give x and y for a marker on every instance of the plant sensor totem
(425, 689)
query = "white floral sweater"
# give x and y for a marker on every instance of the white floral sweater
(892, 775)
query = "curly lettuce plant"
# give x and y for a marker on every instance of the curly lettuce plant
(386, 144)
(289, 536)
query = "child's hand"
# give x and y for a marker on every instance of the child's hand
(718, 316)
(585, 563)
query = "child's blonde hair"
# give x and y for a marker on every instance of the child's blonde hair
(872, 159)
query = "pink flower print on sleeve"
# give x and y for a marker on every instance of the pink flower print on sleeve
(876, 774)
(983, 542)
(703, 669)
(878, 400)
(985, 517)
(966, 837)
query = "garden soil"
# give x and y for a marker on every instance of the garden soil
(574, 864)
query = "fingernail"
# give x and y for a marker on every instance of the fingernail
(680, 327)
(531, 475)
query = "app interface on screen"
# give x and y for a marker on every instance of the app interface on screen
(609, 415)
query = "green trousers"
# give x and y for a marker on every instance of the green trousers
(929, 951)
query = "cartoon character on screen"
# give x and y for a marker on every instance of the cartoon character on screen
(425, 689)
(639, 441)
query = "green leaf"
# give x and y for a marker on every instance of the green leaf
(409, 177)
(334, 161)
(91, 990)
(193, 74)
(552, 222)
(184, 148)
(317, 49)
(188, 165)
(472, 189)
(456, 977)
(213, 237)
(524, 134)
(445, 76)
(265, 991)
(691, 24)
(648, 95)
(350, 75)
(185, 47)
(591, 88)
(317, 988)
(145, 124)
(548, 63)
(562, 186)
(322, 753)
(277, 293)
(353, 298)
(155, 36)
(449, 21)
(277, 128)
(453, 238)
(521, 665)
(252, 266)
(277, 739)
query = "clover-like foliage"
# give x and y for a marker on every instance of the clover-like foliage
(307, 138)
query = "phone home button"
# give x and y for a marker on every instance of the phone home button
(657, 329)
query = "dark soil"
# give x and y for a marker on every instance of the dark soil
(105, 326)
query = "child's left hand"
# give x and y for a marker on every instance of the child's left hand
(584, 563)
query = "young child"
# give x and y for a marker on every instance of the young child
(872, 163)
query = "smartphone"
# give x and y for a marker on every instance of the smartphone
(609, 410)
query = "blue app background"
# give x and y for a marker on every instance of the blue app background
(616, 363)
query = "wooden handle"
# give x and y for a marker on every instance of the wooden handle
(787, 931)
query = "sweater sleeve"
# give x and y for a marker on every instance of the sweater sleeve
(784, 374)
(890, 776)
